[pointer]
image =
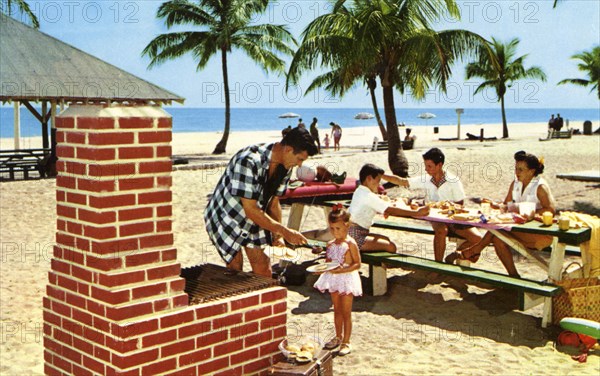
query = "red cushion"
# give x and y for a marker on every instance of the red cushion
(313, 189)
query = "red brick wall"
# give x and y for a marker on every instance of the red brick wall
(115, 302)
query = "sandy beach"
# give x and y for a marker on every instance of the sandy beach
(424, 325)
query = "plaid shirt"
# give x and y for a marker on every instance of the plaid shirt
(244, 177)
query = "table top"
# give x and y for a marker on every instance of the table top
(573, 236)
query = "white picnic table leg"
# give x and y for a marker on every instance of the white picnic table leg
(295, 218)
(554, 274)
(517, 246)
(554, 267)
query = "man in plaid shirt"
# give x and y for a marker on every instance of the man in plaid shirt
(244, 210)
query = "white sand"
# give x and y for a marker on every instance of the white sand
(423, 325)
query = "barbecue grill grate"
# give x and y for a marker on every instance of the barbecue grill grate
(210, 282)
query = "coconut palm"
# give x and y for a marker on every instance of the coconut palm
(590, 63)
(222, 25)
(22, 7)
(394, 41)
(500, 69)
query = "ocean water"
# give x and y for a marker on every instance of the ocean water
(258, 119)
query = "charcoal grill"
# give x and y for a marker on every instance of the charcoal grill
(208, 282)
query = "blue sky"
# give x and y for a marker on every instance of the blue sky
(118, 31)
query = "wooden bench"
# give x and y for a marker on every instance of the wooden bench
(558, 134)
(24, 161)
(531, 291)
(383, 145)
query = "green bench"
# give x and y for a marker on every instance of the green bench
(530, 291)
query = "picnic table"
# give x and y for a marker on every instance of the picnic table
(532, 292)
(21, 160)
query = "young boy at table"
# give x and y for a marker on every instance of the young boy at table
(366, 203)
(440, 185)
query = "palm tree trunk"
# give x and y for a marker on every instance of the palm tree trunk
(372, 85)
(504, 124)
(222, 145)
(396, 158)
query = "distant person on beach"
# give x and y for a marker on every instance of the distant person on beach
(343, 282)
(366, 203)
(336, 134)
(551, 123)
(326, 141)
(409, 136)
(244, 209)
(440, 185)
(314, 132)
(559, 122)
(285, 131)
(301, 124)
(528, 186)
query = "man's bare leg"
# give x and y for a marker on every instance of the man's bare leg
(439, 240)
(237, 263)
(376, 242)
(259, 261)
(471, 236)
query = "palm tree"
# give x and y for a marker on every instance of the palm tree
(23, 7)
(393, 41)
(222, 25)
(590, 63)
(500, 69)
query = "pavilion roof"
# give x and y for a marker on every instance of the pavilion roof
(35, 66)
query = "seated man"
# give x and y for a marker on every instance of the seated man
(441, 186)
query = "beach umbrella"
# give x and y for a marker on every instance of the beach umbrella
(364, 116)
(289, 115)
(426, 116)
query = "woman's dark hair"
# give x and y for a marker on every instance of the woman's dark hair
(300, 140)
(435, 155)
(532, 162)
(338, 213)
(369, 170)
(520, 156)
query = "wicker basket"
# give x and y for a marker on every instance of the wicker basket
(580, 298)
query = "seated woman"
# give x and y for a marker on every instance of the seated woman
(527, 187)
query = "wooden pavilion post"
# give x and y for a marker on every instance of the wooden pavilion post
(44, 120)
(17, 125)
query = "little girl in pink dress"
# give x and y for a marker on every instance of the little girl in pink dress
(343, 282)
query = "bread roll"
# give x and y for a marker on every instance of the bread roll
(310, 347)
(304, 356)
(293, 348)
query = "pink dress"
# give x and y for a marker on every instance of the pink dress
(342, 283)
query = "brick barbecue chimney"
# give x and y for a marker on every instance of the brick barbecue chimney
(115, 301)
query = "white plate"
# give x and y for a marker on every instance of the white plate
(319, 268)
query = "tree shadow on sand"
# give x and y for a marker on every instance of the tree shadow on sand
(481, 310)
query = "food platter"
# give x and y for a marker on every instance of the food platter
(301, 351)
(324, 267)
